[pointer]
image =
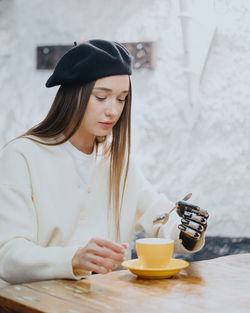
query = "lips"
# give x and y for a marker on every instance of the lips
(107, 123)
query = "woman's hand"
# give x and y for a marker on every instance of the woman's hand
(99, 255)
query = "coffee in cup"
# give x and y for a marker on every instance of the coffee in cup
(154, 252)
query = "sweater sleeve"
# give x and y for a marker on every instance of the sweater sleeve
(21, 258)
(151, 204)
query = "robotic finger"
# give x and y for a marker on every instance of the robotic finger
(194, 217)
(189, 232)
(183, 207)
(192, 224)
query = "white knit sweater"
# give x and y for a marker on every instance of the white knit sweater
(47, 212)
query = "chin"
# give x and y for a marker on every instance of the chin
(103, 133)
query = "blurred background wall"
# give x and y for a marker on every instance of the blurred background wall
(210, 159)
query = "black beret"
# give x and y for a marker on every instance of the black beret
(89, 61)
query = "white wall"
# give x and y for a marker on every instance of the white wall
(211, 160)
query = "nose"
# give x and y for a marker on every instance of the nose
(111, 109)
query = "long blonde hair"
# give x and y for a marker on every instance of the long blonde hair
(64, 118)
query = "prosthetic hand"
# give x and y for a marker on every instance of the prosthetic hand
(193, 223)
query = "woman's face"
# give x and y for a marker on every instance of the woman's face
(105, 105)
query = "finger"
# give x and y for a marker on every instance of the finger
(110, 245)
(192, 224)
(196, 218)
(92, 267)
(189, 231)
(125, 245)
(183, 207)
(103, 262)
(105, 253)
(187, 207)
(201, 212)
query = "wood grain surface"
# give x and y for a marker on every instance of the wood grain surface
(217, 285)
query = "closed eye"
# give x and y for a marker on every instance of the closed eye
(122, 100)
(100, 98)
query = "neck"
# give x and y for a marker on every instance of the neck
(83, 144)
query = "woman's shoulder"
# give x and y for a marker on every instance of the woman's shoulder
(13, 163)
(23, 153)
(24, 150)
(25, 144)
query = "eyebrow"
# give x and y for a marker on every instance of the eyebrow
(108, 89)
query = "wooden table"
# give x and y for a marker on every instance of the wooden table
(217, 285)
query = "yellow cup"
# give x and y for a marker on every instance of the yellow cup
(154, 252)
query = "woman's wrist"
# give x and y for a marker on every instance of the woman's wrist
(76, 265)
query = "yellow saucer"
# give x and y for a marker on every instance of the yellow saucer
(174, 267)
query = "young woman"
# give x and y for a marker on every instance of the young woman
(70, 197)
